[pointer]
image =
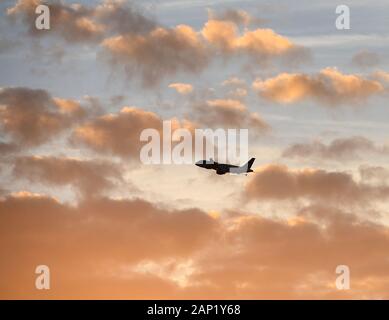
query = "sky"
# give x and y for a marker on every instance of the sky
(76, 197)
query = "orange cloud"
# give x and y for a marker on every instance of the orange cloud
(263, 42)
(140, 45)
(91, 177)
(159, 53)
(279, 182)
(166, 51)
(104, 233)
(138, 250)
(228, 113)
(381, 76)
(117, 134)
(182, 88)
(329, 86)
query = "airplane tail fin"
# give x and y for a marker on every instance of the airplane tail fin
(248, 165)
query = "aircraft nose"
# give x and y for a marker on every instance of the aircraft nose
(199, 163)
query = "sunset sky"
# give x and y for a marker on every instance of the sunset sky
(75, 196)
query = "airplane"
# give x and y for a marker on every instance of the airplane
(222, 168)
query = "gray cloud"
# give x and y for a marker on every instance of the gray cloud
(365, 59)
(32, 116)
(339, 149)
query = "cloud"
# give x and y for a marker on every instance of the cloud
(339, 149)
(136, 44)
(164, 52)
(139, 250)
(182, 88)
(381, 76)
(130, 40)
(374, 174)
(258, 43)
(158, 54)
(234, 81)
(237, 16)
(73, 23)
(7, 45)
(90, 177)
(228, 113)
(117, 134)
(105, 234)
(329, 87)
(117, 248)
(76, 23)
(257, 251)
(365, 59)
(237, 88)
(7, 148)
(277, 182)
(32, 116)
(120, 17)
(238, 93)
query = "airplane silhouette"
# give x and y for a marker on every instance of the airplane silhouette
(223, 168)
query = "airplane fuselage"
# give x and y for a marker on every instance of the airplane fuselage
(223, 168)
